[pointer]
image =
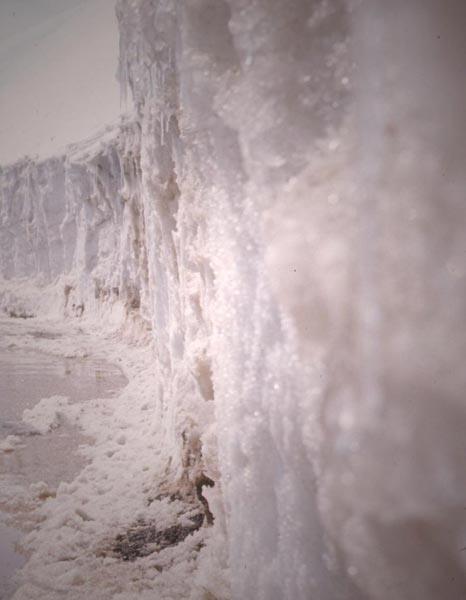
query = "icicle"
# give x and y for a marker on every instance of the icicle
(162, 137)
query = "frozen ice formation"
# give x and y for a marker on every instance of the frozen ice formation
(46, 415)
(286, 214)
(69, 224)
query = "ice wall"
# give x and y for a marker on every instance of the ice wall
(287, 216)
(72, 236)
(317, 150)
(227, 101)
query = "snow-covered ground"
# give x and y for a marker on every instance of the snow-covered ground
(74, 526)
(273, 245)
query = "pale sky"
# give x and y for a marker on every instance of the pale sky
(58, 62)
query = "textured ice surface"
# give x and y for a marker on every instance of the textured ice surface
(286, 215)
(45, 415)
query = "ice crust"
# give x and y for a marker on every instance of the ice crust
(284, 219)
(45, 415)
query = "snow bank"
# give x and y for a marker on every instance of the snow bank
(273, 217)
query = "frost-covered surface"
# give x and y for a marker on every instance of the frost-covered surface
(46, 414)
(286, 216)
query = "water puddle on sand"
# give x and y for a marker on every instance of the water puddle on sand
(10, 558)
(25, 378)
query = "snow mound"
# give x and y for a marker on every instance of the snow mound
(46, 414)
(10, 443)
